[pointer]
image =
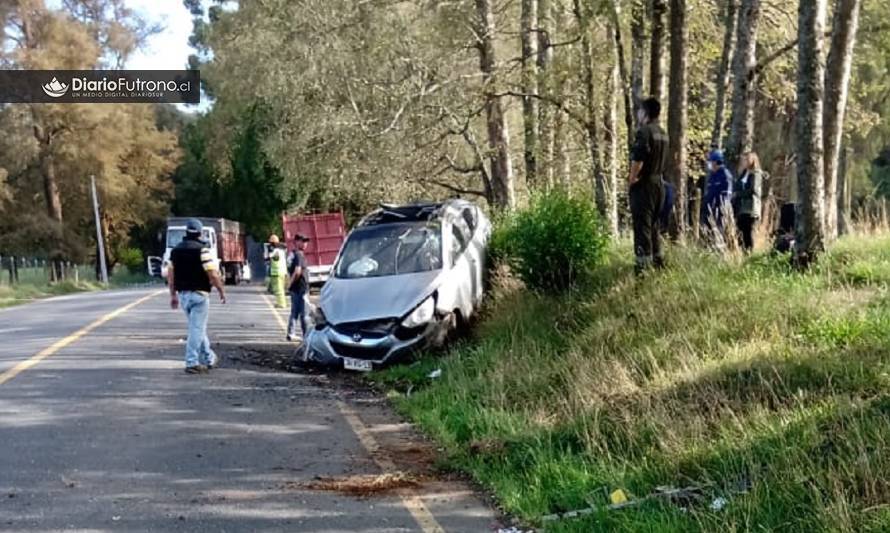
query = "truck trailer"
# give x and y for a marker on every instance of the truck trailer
(226, 240)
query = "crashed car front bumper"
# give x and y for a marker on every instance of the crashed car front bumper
(332, 345)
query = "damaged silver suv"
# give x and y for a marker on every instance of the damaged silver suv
(406, 276)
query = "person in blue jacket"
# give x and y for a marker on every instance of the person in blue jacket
(718, 192)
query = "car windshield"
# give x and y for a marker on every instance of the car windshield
(391, 249)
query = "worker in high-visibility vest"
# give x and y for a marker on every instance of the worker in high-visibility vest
(278, 271)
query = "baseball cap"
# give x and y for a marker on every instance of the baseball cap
(716, 156)
(193, 225)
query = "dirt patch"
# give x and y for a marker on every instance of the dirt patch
(360, 486)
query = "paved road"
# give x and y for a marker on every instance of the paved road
(106, 433)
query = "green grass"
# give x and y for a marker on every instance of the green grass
(718, 374)
(33, 284)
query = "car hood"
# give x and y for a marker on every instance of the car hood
(356, 300)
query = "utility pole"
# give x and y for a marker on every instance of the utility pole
(102, 268)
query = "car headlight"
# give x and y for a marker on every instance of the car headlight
(421, 315)
(318, 318)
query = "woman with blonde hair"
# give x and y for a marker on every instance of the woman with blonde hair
(746, 198)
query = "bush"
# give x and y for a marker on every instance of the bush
(552, 243)
(132, 259)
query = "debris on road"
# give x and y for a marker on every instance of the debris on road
(70, 483)
(435, 374)
(361, 486)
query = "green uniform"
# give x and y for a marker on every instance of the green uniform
(647, 194)
(278, 275)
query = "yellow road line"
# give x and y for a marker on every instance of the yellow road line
(412, 502)
(58, 345)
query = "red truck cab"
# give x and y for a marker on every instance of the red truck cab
(326, 232)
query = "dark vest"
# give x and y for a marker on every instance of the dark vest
(188, 272)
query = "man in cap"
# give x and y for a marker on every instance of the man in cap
(646, 188)
(298, 287)
(191, 274)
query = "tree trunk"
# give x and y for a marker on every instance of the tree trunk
(843, 186)
(545, 86)
(622, 69)
(608, 189)
(677, 114)
(810, 164)
(837, 83)
(722, 82)
(637, 55)
(498, 136)
(50, 184)
(529, 25)
(656, 53)
(741, 131)
(603, 194)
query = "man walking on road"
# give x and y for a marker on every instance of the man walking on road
(191, 274)
(298, 287)
(648, 164)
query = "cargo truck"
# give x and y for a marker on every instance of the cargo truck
(226, 240)
(326, 232)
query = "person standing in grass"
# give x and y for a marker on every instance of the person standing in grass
(718, 195)
(649, 159)
(746, 198)
(191, 274)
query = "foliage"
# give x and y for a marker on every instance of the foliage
(121, 144)
(244, 186)
(132, 259)
(754, 383)
(554, 242)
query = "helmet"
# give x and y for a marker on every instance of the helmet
(273, 239)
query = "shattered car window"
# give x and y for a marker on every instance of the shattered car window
(391, 249)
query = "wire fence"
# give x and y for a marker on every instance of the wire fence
(16, 270)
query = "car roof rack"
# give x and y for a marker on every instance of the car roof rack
(389, 213)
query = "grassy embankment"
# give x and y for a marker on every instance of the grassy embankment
(761, 385)
(33, 285)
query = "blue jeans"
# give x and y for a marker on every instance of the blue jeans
(196, 306)
(297, 311)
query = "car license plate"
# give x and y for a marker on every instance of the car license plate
(357, 364)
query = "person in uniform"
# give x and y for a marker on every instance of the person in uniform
(649, 159)
(718, 197)
(277, 271)
(191, 274)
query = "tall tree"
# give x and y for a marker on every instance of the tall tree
(730, 21)
(656, 51)
(837, 83)
(529, 38)
(741, 131)
(608, 186)
(810, 150)
(501, 168)
(677, 115)
(622, 70)
(637, 54)
(546, 32)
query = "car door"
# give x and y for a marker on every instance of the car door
(455, 292)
